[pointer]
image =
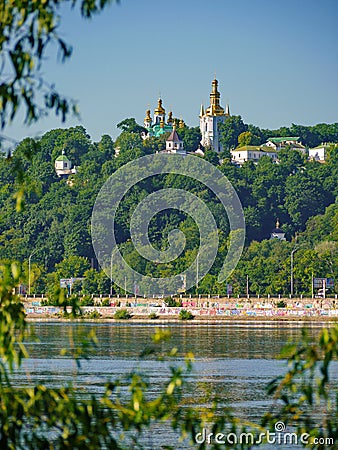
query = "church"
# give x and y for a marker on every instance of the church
(211, 118)
(157, 125)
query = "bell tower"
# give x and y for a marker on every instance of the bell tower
(211, 118)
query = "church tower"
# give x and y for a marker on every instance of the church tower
(210, 118)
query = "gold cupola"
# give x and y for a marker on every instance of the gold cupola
(148, 118)
(170, 118)
(215, 108)
(159, 110)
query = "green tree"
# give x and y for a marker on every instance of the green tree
(73, 266)
(247, 138)
(304, 197)
(230, 130)
(211, 156)
(130, 126)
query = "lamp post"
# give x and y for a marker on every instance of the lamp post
(29, 270)
(111, 274)
(197, 274)
(291, 266)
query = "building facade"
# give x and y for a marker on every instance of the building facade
(279, 143)
(320, 152)
(252, 153)
(174, 143)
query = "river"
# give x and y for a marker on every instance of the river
(234, 360)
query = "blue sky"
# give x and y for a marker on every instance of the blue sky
(276, 62)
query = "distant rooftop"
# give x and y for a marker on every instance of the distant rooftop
(247, 147)
(277, 140)
(254, 148)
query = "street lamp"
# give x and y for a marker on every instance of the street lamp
(111, 274)
(29, 270)
(291, 268)
(197, 272)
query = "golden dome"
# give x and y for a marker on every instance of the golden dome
(159, 110)
(148, 117)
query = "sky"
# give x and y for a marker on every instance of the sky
(276, 62)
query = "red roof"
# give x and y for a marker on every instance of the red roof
(174, 137)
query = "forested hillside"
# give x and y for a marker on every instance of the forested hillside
(53, 226)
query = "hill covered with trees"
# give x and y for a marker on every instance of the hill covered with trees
(53, 226)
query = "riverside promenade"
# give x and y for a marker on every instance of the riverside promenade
(200, 308)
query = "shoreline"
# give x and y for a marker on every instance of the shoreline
(294, 320)
(214, 313)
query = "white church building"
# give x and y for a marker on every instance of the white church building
(211, 118)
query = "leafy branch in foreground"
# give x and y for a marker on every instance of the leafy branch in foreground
(309, 404)
(27, 29)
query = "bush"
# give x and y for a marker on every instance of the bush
(93, 315)
(281, 304)
(172, 302)
(186, 315)
(169, 301)
(122, 314)
(153, 316)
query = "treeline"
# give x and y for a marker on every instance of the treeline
(53, 228)
(234, 132)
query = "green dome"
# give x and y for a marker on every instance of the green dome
(157, 130)
(62, 158)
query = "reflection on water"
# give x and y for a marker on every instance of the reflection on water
(234, 361)
(243, 341)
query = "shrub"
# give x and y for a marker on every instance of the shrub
(169, 301)
(172, 302)
(186, 315)
(122, 314)
(93, 315)
(153, 316)
(281, 304)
